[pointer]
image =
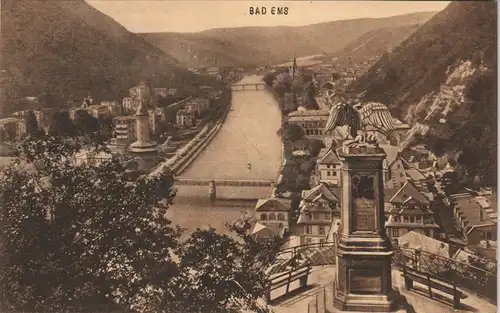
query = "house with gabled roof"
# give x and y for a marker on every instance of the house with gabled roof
(476, 216)
(273, 211)
(318, 208)
(410, 211)
(328, 169)
(262, 233)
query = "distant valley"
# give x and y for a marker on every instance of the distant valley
(264, 46)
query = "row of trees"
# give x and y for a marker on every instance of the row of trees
(91, 239)
(292, 92)
(297, 171)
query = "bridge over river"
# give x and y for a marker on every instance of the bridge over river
(244, 159)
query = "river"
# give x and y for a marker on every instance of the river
(248, 135)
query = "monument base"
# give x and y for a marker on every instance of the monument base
(394, 303)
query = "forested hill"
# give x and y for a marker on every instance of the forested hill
(60, 50)
(445, 75)
(264, 46)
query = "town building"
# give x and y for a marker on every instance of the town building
(476, 216)
(317, 210)
(409, 210)
(273, 211)
(12, 128)
(99, 110)
(212, 71)
(263, 233)
(38, 115)
(115, 108)
(197, 105)
(397, 171)
(124, 130)
(329, 168)
(312, 122)
(414, 240)
(185, 118)
(128, 103)
(162, 92)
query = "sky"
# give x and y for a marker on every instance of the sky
(195, 15)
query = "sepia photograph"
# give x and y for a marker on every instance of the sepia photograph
(164, 156)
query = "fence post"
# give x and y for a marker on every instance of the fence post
(429, 285)
(288, 283)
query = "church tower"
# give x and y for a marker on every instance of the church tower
(293, 69)
(143, 131)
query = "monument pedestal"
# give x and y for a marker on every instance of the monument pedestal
(364, 252)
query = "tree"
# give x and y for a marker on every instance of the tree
(62, 125)
(85, 123)
(208, 288)
(32, 128)
(450, 183)
(290, 132)
(80, 238)
(315, 146)
(105, 126)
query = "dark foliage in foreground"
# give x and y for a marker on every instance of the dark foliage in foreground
(89, 238)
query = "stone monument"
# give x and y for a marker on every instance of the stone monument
(143, 145)
(364, 251)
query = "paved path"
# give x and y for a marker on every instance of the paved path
(418, 303)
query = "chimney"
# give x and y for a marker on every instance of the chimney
(481, 214)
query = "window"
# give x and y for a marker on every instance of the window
(334, 173)
(263, 217)
(322, 230)
(272, 217)
(315, 216)
(328, 166)
(405, 219)
(396, 219)
(328, 173)
(281, 217)
(394, 232)
(308, 229)
(309, 241)
(412, 219)
(327, 216)
(322, 241)
(418, 219)
(486, 235)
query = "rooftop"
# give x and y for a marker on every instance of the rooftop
(408, 191)
(477, 210)
(330, 157)
(309, 113)
(272, 204)
(416, 240)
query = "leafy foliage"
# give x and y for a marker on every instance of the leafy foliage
(84, 237)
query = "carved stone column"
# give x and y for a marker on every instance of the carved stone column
(364, 251)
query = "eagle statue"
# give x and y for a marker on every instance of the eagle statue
(358, 116)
